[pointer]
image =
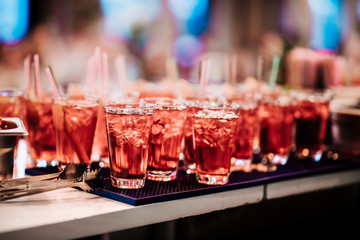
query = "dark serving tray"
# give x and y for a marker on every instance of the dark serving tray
(186, 185)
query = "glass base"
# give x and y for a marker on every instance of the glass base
(46, 163)
(275, 159)
(161, 176)
(241, 165)
(266, 165)
(127, 183)
(305, 153)
(209, 179)
(190, 168)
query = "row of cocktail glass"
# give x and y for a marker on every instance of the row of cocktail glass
(146, 138)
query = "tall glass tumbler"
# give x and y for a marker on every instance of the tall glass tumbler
(214, 133)
(311, 116)
(165, 138)
(75, 122)
(40, 124)
(128, 127)
(193, 106)
(246, 136)
(276, 129)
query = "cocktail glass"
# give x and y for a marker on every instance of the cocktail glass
(165, 138)
(75, 122)
(311, 116)
(128, 130)
(40, 125)
(246, 137)
(100, 150)
(214, 133)
(193, 106)
(276, 116)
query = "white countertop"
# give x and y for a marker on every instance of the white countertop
(70, 213)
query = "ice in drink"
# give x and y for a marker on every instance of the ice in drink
(75, 121)
(165, 138)
(128, 130)
(214, 133)
(276, 128)
(40, 124)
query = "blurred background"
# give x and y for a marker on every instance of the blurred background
(317, 41)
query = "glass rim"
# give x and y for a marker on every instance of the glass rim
(11, 92)
(313, 95)
(282, 101)
(173, 104)
(87, 101)
(128, 109)
(223, 111)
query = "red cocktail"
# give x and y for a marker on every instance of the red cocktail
(193, 105)
(214, 133)
(41, 138)
(75, 121)
(276, 128)
(311, 115)
(246, 136)
(100, 148)
(128, 130)
(165, 138)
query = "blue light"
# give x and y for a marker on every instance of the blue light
(326, 23)
(187, 49)
(121, 16)
(191, 15)
(14, 17)
(317, 156)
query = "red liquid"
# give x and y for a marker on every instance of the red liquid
(41, 129)
(75, 128)
(213, 145)
(246, 132)
(311, 119)
(276, 127)
(128, 139)
(165, 142)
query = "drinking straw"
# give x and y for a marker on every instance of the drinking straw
(171, 68)
(230, 66)
(172, 73)
(37, 74)
(50, 74)
(274, 72)
(347, 73)
(90, 73)
(259, 68)
(27, 72)
(98, 62)
(105, 74)
(120, 65)
(204, 75)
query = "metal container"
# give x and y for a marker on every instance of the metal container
(10, 131)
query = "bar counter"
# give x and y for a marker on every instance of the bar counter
(70, 213)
